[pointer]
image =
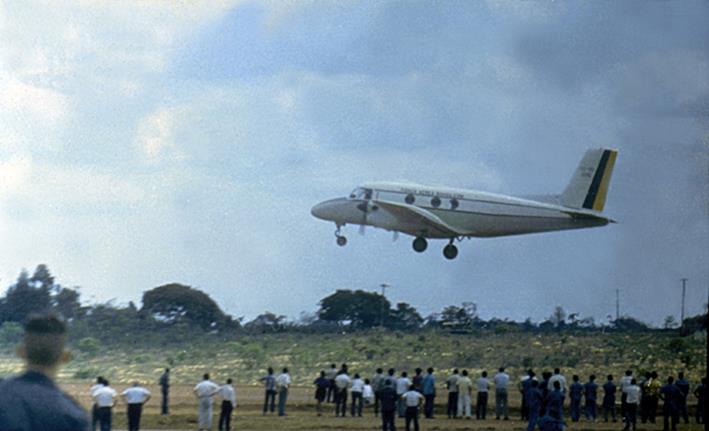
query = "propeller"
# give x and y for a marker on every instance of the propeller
(366, 207)
(396, 236)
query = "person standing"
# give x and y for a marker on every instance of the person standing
(283, 382)
(228, 396)
(342, 384)
(555, 401)
(368, 393)
(483, 389)
(269, 384)
(683, 386)
(331, 374)
(632, 401)
(502, 379)
(671, 395)
(165, 390)
(402, 386)
(429, 392)
(452, 386)
(357, 398)
(653, 395)
(94, 407)
(624, 381)
(575, 394)
(534, 404)
(377, 386)
(389, 401)
(205, 391)
(590, 392)
(413, 399)
(322, 385)
(524, 387)
(609, 390)
(645, 397)
(558, 377)
(465, 392)
(104, 397)
(31, 400)
(701, 393)
(135, 397)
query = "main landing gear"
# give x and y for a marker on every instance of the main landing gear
(340, 239)
(450, 251)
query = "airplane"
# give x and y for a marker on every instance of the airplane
(429, 212)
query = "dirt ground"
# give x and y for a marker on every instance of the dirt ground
(301, 415)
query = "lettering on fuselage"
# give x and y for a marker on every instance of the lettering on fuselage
(432, 193)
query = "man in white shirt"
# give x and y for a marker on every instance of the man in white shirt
(135, 397)
(228, 395)
(402, 386)
(502, 379)
(412, 400)
(104, 399)
(357, 400)
(283, 381)
(342, 382)
(557, 377)
(94, 407)
(483, 388)
(624, 382)
(205, 391)
(465, 390)
(632, 399)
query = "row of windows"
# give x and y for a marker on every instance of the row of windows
(435, 201)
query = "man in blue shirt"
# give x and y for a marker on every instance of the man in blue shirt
(671, 396)
(609, 390)
(31, 401)
(683, 387)
(534, 404)
(429, 392)
(590, 390)
(555, 402)
(575, 393)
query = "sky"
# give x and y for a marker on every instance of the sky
(145, 143)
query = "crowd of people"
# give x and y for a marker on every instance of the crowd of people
(389, 395)
(542, 399)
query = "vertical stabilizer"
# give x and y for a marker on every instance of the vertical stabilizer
(589, 185)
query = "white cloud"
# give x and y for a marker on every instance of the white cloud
(29, 103)
(156, 135)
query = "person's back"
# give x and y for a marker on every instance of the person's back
(389, 399)
(32, 401)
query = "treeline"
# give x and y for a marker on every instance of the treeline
(171, 312)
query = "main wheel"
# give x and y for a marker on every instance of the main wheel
(341, 241)
(450, 251)
(420, 244)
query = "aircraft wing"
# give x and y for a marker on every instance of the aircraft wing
(410, 214)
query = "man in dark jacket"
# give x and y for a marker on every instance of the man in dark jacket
(389, 405)
(670, 395)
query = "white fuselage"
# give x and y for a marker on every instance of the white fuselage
(437, 212)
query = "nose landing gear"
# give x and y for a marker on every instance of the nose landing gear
(340, 239)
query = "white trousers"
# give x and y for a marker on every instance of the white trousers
(464, 405)
(205, 413)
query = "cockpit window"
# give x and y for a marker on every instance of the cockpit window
(361, 193)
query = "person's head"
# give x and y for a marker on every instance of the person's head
(670, 379)
(167, 370)
(465, 372)
(418, 371)
(205, 376)
(106, 382)
(530, 373)
(322, 373)
(356, 376)
(575, 378)
(557, 371)
(633, 382)
(502, 369)
(270, 370)
(592, 377)
(391, 371)
(654, 374)
(430, 370)
(648, 374)
(285, 370)
(366, 381)
(546, 375)
(557, 385)
(99, 380)
(610, 377)
(680, 375)
(404, 374)
(43, 342)
(333, 366)
(387, 382)
(535, 383)
(228, 381)
(628, 373)
(455, 371)
(379, 371)
(136, 384)
(484, 373)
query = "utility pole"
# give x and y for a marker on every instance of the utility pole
(381, 310)
(684, 291)
(617, 304)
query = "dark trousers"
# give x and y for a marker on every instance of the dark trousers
(608, 407)
(623, 404)
(575, 409)
(225, 416)
(683, 413)
(631, 415)
(357, 403)
(341, 402)
(164, 408)
(388, 418)
(481, 406)
(591, 409)
(412, 415)
(524, 409)
(533, 417)
(134, 412)
(331, 392)
(670, 414)
(648, 408)
(104, 418)
(270, 401)
(699, 415)
(428, 406)
(377, 401)
(282, 398)
(452, 404)
(94, 417)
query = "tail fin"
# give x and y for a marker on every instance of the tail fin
(589, 185)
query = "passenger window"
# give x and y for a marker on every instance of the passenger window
(410, 199)
(454, 203)
(436, 201)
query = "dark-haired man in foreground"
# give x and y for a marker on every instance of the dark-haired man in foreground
(32, 401)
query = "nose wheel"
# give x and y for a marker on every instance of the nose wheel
(420, 244)
(340, 239)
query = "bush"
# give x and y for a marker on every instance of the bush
(11, 333)
(89, 345)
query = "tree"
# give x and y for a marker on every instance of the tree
(360, 309)
(23, 298)
(266, 322)
(405, 317)
(177, 303)
(670, 322)
(558, 317)
(66, 302)
(459, 317)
